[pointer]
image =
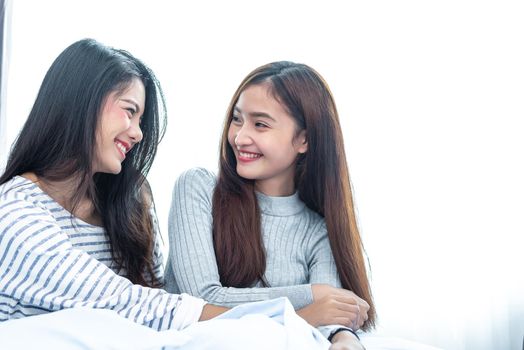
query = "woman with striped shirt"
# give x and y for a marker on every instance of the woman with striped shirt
(77, 227)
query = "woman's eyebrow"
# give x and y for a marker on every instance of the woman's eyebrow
(262, 115)
(256, 114)
(137, 108)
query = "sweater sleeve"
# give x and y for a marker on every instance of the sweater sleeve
(192, 262)
(322, 268)
(41, 270)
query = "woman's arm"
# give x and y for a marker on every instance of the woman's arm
(345, 341)
(211, 311)
(40, 269)
(333, 306)
(192, 264)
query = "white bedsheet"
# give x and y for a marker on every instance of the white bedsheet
(270, 325)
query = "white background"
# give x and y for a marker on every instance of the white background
(430, 95)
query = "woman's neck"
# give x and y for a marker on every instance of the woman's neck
(276, 187)
(62, 192)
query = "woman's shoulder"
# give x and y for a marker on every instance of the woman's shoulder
(195, 180)
(20, 188)
(200, 176)
(199, 173)
(20, 192)
(316, 222)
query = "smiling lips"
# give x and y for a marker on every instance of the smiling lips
(123, 147)
(245, 156)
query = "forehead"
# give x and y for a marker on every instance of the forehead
(259, 98)
(133, 90)
(136, 90)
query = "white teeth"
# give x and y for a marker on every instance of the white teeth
(121, 147)
(249, 155)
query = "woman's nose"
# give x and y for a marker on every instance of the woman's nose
(135, 132)
(243, 137)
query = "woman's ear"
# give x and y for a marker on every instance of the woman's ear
(301, 142)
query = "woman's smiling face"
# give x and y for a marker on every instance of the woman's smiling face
(119, 127)
(265, 140)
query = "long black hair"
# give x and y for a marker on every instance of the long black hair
(58, 141)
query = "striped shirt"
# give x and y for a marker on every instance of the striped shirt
(50, 260)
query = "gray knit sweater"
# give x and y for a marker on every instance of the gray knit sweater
(297, 247)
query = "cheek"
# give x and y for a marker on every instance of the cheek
(282, 152)
(114, 120)
(101, 136)
(231, 136)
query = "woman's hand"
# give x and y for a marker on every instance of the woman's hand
(331, 309)
(345, 341)
(335, 306)
(322, 290)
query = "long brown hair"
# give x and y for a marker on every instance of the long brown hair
(321, 178)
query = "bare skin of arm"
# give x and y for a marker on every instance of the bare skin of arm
(345, 341)
(210, 311)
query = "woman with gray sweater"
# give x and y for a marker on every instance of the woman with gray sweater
(279, 218)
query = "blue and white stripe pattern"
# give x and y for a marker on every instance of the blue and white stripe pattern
(50, 261)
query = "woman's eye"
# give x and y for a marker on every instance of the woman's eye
(131, 111)
(235, 119)
(260, 125)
